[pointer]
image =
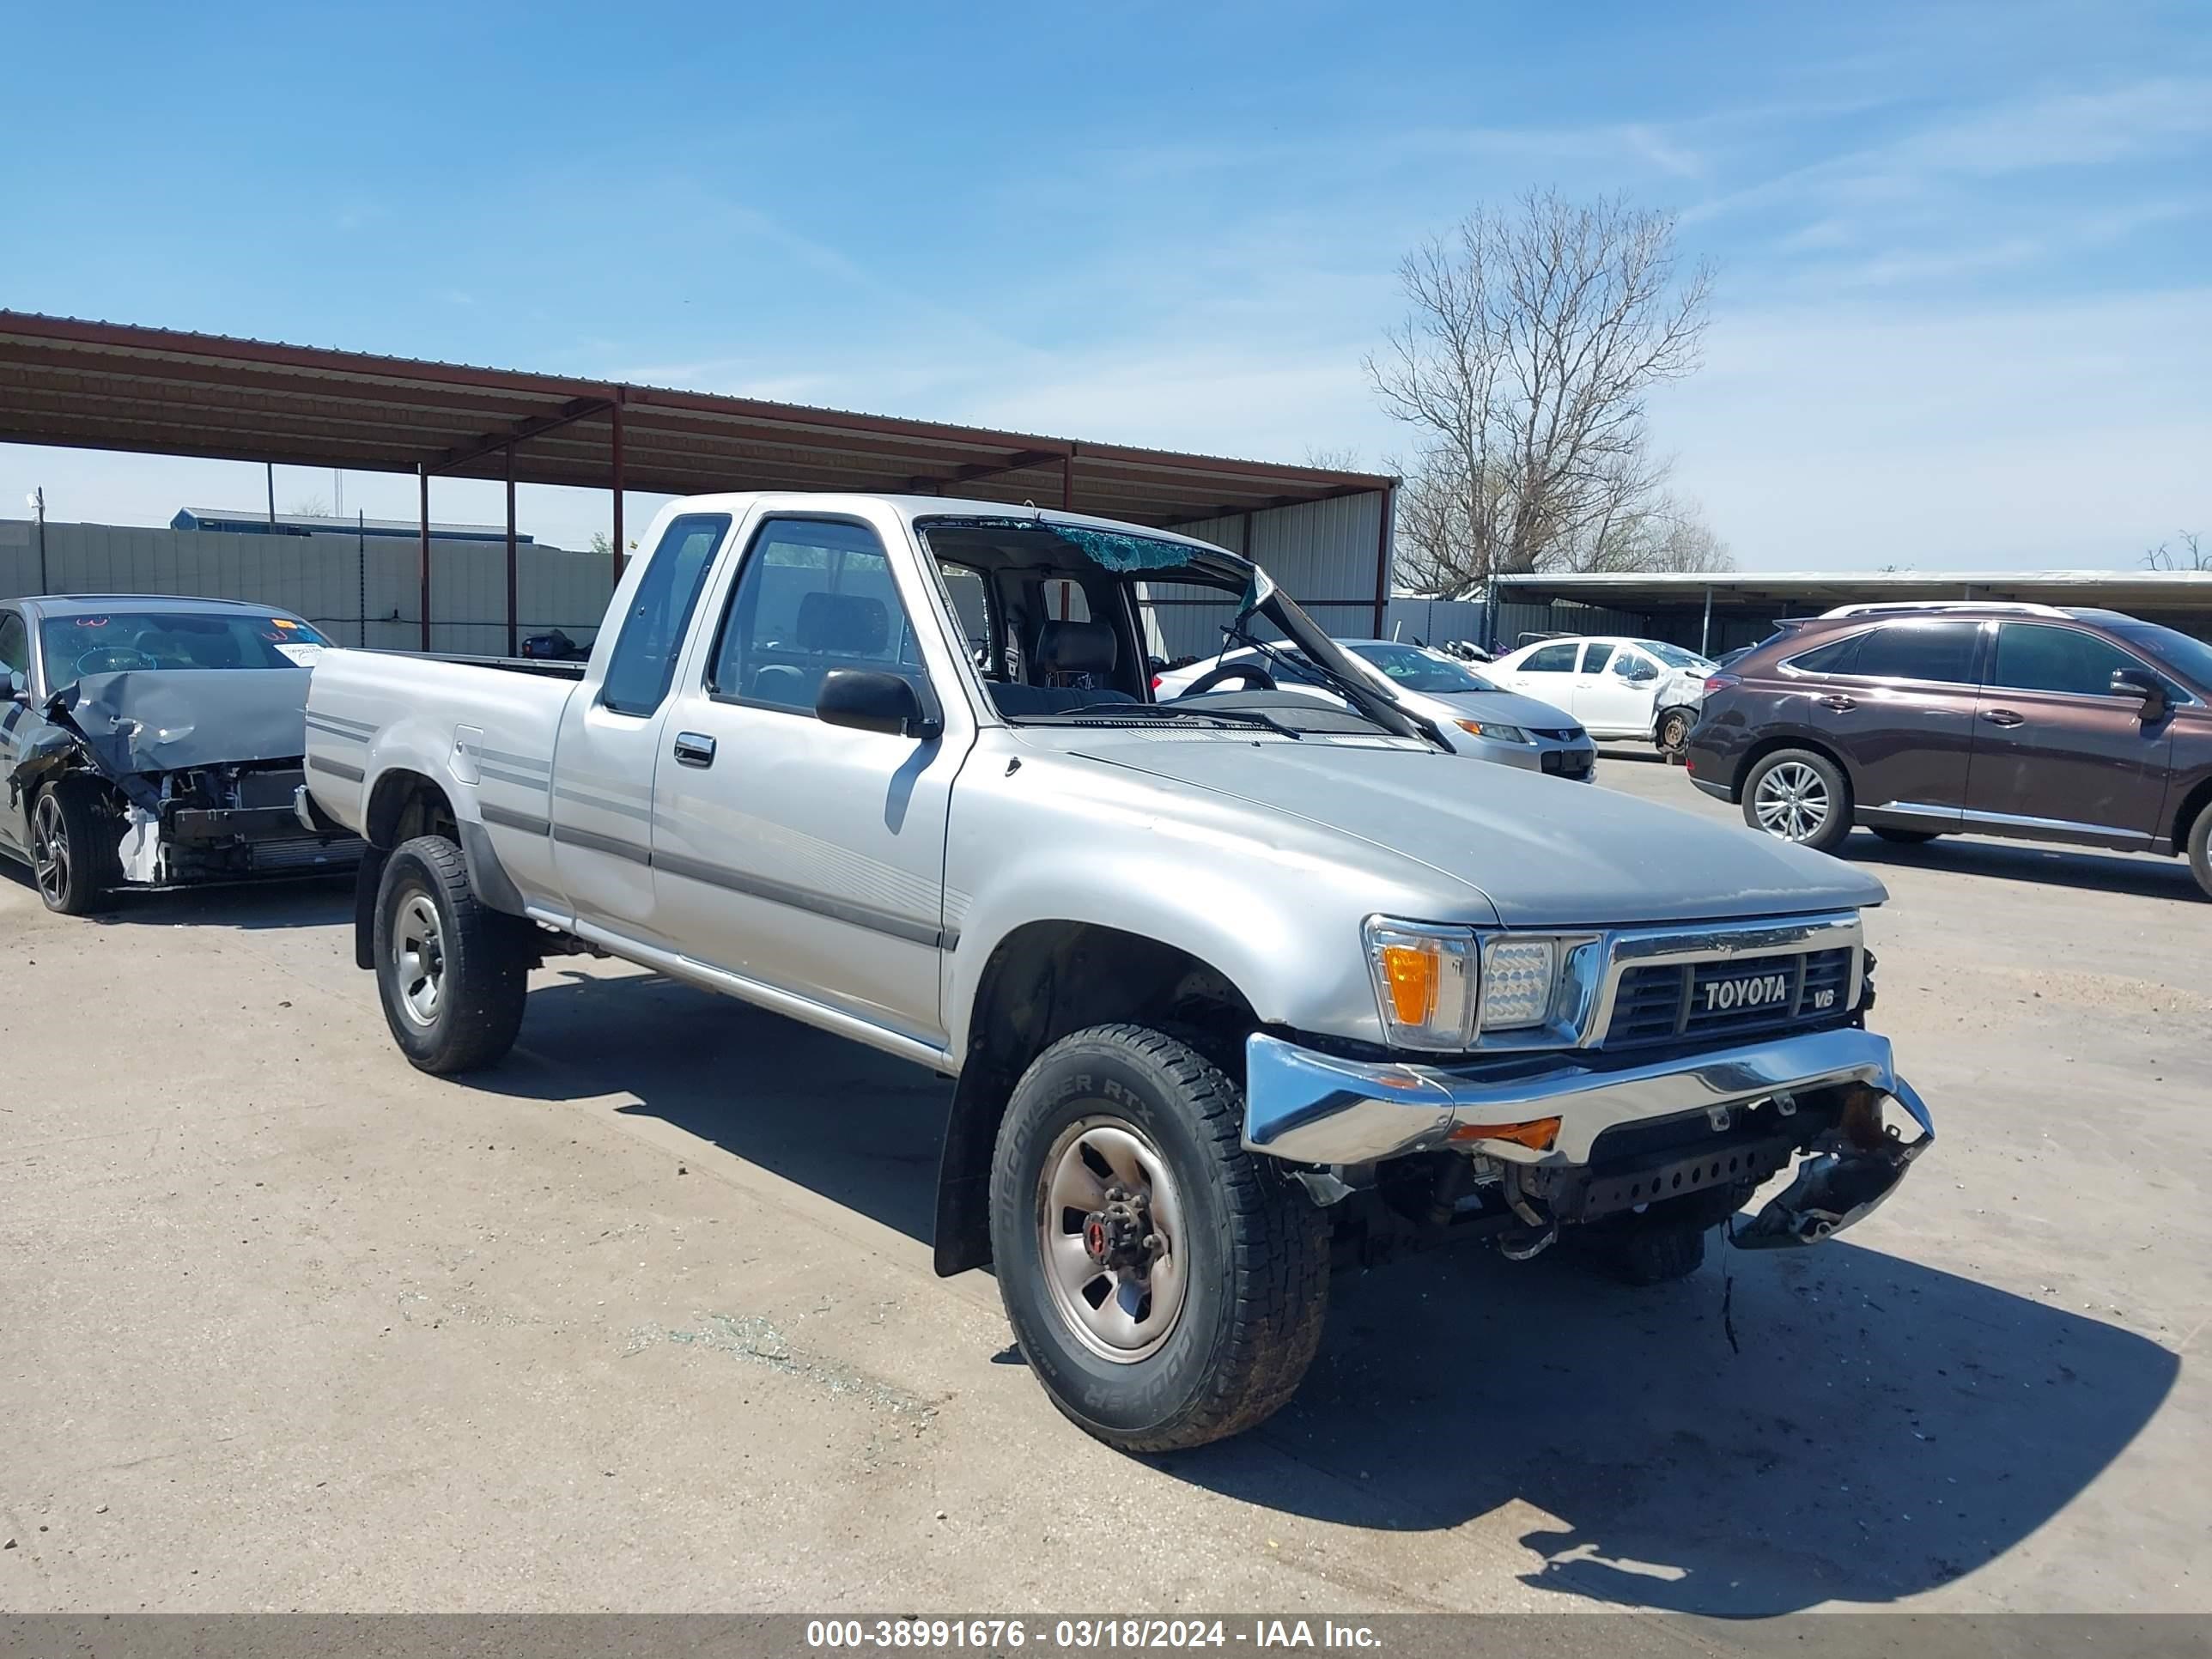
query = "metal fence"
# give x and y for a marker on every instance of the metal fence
(358, 590)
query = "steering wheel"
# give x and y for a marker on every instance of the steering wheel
(1252, 673)
(113, 659)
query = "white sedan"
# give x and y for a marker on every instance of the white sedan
(1616, 687)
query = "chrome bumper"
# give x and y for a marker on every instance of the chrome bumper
(1315, 1108)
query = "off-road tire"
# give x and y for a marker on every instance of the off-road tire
(1837, 823)
(1907, 837)
(1673, 736)
(2200, 849)
(1255, 1248)
(1647, 1253)
(484, 956)
(92, 840)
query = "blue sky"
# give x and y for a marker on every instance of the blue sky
(1963, 317)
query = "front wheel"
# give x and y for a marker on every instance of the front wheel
(1799, 795)
(75, 847)
(1674, 732)
(1167, 1286)
(451, 971)
(2200, 849)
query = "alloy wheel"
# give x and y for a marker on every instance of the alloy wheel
(1792, 801)
(50, 849)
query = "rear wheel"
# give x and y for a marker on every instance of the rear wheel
(1799, 795)
(1167, 1286)
(75, 847)
(451, 971)
(2200, 849)
(1907, 837)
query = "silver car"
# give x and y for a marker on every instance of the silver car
(1473, 716)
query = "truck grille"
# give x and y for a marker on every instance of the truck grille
(1739, 996)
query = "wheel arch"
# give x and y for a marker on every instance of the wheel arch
(1775, 742)
(1042, 981)
(2197, 800)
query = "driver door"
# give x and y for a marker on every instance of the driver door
(1613, 696)
(16, 721)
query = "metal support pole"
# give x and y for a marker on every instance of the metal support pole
(1383, 561)
(615, 414)
(423, 479)
(271, 467)
(513, 648)
(1068, 483)
(360, 575)
(1705, 635)
(38, 502)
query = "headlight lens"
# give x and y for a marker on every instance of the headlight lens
(1517, 980)
(1424, 983)
(1494, 730)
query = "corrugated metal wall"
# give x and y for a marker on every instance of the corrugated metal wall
(1322, 552)
(365, 592)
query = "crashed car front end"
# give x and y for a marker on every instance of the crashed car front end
(1677, 1069)
(198, 774)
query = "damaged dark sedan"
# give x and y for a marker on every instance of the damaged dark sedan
(148, 743)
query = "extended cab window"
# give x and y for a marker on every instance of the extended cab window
(1550, 659)
(1939, 651)
(813, 596)
(2032, 657)
(644, 660)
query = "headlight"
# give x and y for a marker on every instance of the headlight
(1494, 730)
(1440, 987)
(1424, 983)
(1518, 975)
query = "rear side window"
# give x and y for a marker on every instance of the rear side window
(1836, 656)
(1939, 651)
(2033, 657)
(1595, 657)
(644, 660)
(1550, 659)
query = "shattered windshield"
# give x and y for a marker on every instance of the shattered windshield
(113, 641)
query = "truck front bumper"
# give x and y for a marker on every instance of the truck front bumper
(1313, 1107)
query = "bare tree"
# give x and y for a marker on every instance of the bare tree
(311, 507)
(1533, 334)
(2190, 556)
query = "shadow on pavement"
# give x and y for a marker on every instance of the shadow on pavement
(285, 901)
(1884, 1427)
(2049, 867)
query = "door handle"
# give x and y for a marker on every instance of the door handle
(1840, 704)
(2002, 717)
(694, 748)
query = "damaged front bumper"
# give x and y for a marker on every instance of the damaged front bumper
(1317, 1108)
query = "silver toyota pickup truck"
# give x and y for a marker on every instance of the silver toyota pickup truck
(1237, 987)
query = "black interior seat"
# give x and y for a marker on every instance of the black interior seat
(1065, 648)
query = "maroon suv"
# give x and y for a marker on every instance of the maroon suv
(2086, 726)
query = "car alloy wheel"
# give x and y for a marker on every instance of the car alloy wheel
(1110, 1232)
(50, 849)
(1792, 801)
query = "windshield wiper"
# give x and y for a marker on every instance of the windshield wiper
(1168, 711)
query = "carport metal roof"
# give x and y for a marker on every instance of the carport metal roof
(106, 386)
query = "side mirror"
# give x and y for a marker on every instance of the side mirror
(872, 702)
(2138, 683)
(19, 686)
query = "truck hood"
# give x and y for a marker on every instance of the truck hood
(1543, 851)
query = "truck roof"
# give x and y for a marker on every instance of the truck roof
(911, 508)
